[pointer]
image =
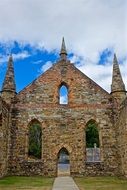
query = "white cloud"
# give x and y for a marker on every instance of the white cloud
(102, 74)
(63, 100)
(89, 27)
(99, 73)
(46, 66)
(21, 55)
(37, 62)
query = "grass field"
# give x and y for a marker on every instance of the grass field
(101, 183)
(26, 183)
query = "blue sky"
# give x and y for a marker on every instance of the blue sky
(28, 62)
(93, 29)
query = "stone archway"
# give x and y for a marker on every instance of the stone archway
(63, 162)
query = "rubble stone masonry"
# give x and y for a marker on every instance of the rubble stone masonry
(63, 125)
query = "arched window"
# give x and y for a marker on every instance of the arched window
(63, 94)
(35, 140)
(92, 142)
(63, 156)
(63, 162)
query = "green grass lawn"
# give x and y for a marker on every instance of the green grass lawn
(26, 183)
(101, 183)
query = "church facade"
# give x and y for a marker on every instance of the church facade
(63, 126)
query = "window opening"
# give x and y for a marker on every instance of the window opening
(63, 95)
(92, 142)
(35, 141)
(63, 162)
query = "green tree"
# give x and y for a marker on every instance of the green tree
(35, 140)
(92, 135)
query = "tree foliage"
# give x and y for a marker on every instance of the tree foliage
(92, 135)
(35, 141)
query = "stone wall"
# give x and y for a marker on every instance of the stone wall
(121, 128)
(95, 169)
(62, 125)
(4, 117)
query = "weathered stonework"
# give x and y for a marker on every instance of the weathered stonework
(4, 137)
(121, 128)
(63, 125)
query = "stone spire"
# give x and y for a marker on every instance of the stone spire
(63, 52)
(117, 87)
(9, 87)
(117, 81)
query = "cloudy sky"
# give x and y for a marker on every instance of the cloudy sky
(32, 31)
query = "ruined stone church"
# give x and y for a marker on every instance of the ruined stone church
(63, 126)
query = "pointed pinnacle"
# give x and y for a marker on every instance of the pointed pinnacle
(63, 52)
(115, 59)
(117, 81)
(10, 58)
(9, 82)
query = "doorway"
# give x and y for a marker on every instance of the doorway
(63, 164)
